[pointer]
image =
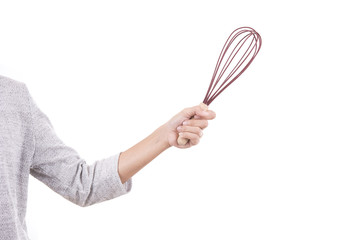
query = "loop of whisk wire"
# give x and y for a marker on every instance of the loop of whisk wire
(241, 56)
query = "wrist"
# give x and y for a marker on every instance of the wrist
(162, 137)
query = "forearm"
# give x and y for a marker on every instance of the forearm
(138, 156)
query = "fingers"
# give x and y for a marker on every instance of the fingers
(191, 129)
(201, 119)
(194, 139)
(198, 112)
(192, 133)
(208, 115)
(191, 122)
(196, 123)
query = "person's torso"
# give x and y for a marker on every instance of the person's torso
(16, 144)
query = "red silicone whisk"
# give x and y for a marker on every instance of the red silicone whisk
(239, 50)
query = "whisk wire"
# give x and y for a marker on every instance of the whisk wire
(250, 50)
(226, 65)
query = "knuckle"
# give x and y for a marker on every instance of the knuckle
(196, 141)
(214, 115)
(185, 135)
(183, 128)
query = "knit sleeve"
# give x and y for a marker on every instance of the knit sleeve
(61, 168)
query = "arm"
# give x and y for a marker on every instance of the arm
(138, 156)
(64, 171)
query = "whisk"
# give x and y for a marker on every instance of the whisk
(239, 50)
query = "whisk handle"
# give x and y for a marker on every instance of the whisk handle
(184, 141)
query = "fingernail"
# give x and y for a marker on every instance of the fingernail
(181, 134)
(179, 128)
(201, 133)
(185, 123)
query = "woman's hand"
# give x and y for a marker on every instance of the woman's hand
(182, 125)
(135, 158)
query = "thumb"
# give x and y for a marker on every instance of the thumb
(196, 110)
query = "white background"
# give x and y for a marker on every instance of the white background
(107, 73)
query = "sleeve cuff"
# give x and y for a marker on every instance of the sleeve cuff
(121, 188)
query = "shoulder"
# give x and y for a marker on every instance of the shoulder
(9, 85)
(13, 93)
(16, 118)
(9, 82)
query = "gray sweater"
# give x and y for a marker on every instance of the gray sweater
(29, 145)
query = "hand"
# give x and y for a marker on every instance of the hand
(182, 125)
(135, 158)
